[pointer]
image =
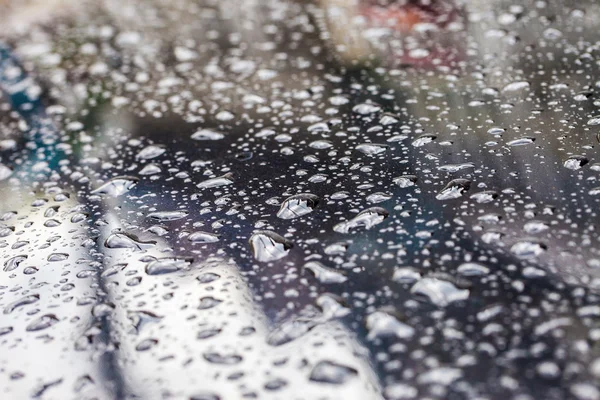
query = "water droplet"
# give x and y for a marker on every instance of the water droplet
(146, 344)
(575, 162)
(521, 141)
(372, 149)
(485, 196)
(528, 248)
(168, 215)
(150, 169)
(269, 246)
(379, 197)
(151, 151)
(454, 189)
(456, 167)
(405, 181)
(298, 205)
(123, 240)
(406, 275)
(58, 257)
(219, 358)
(332, 373)
(5, 172)
(43, 322)
(223, 180)
(14, 262)
(385, 324)
(472, 269)
(208, 134)
(117, 186)
(424, 139)
(439, 292)
(167, 265)
(30, 299)
(208, 302)
(365, 219)
(325, 274)
(516, 86)
(366, 108)
(203, 237)
(533, 227)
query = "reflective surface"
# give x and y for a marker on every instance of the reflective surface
(293, 200)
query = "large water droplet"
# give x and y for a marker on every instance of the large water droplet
(528, 248)
(325, 274)
(332, 373)
(151, 151)
(203, 237)
(269, 246)
(14, 262)
(372, 149)
(454, 189)
(223, 180)
(43, 322)
(365, 219)
(439, 292)
(384, 324)
(121, 240)
(207, 134)
(298, 205)
(167, 265)
(168, 215)
(117, 186)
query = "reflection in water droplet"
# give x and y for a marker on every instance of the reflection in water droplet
(30, 299)
(521, 141)
(424, 139)
(439, 292)
(219, 358)
(486, 196)
(5, 172)
(208, 302)
(454, 189)
(575, 162)
(167, 265)
(58, 257)
(117, 186)
(146, 344)
(224, 180)
(203, 237)
(151, 151)
(298, 205)
(365, 219)
(528, 248)
(122, 240)
(208, 134)
(14, 262)
(168, 215)
(533, 227)
(332, 373)
(405, 181)
(456, 167)
(372, 149)
(406, 275)
(472, 269)
(325, 274)
(383, 324)
(515, 86)
(366, 108)
(43, 322)
(269, 246)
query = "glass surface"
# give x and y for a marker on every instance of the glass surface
(273, 199)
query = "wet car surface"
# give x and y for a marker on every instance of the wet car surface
(299, 200)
